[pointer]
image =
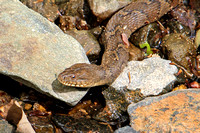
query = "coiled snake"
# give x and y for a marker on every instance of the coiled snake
(116, 55)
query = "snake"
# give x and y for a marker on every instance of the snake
(116, 54)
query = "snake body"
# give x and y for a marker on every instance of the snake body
(116, 54)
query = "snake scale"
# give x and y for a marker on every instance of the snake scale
(116, 54)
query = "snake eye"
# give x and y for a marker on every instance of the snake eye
(73, 76)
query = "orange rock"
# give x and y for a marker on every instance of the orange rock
(177, 111)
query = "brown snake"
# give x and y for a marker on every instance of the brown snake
(116, 55)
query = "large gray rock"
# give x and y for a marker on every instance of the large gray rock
(151, 75)
(34, 50)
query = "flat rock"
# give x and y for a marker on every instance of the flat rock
(177, 111)
(151, 75)
(33, 51)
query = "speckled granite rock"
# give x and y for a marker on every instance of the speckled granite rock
(151, 75)
(33, 51)
(177, 111)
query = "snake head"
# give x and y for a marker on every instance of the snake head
(82, 75)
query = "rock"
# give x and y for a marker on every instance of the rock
(117, 102)
(126, 129)
(5, 127)
(76, 14)
(177, 27)
(33, 51)
(4, 98)
(70, 124)
(186, 17)
(177, 111)
(105, 8)
(15, 115)
(197, 38)
(45, 8)
(88, 42)
(178, 48)
(41, 124)
(148, 77)
(72, 22)
(151, 75)
(150, 33)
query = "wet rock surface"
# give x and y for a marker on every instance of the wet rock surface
(177, 111)
(117, 102)
(33, 51)
(41, 124)
(151, 75)
(150, 33)
(80, 125)
(178, 48)
(177, 27)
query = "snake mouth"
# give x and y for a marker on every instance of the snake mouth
(74, 84)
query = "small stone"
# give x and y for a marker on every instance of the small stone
(105, 8)
(180, 87)
(27, 106)
(151, 75)
(177, 111)
(178, 48)
(39, 107)
(88, 41)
